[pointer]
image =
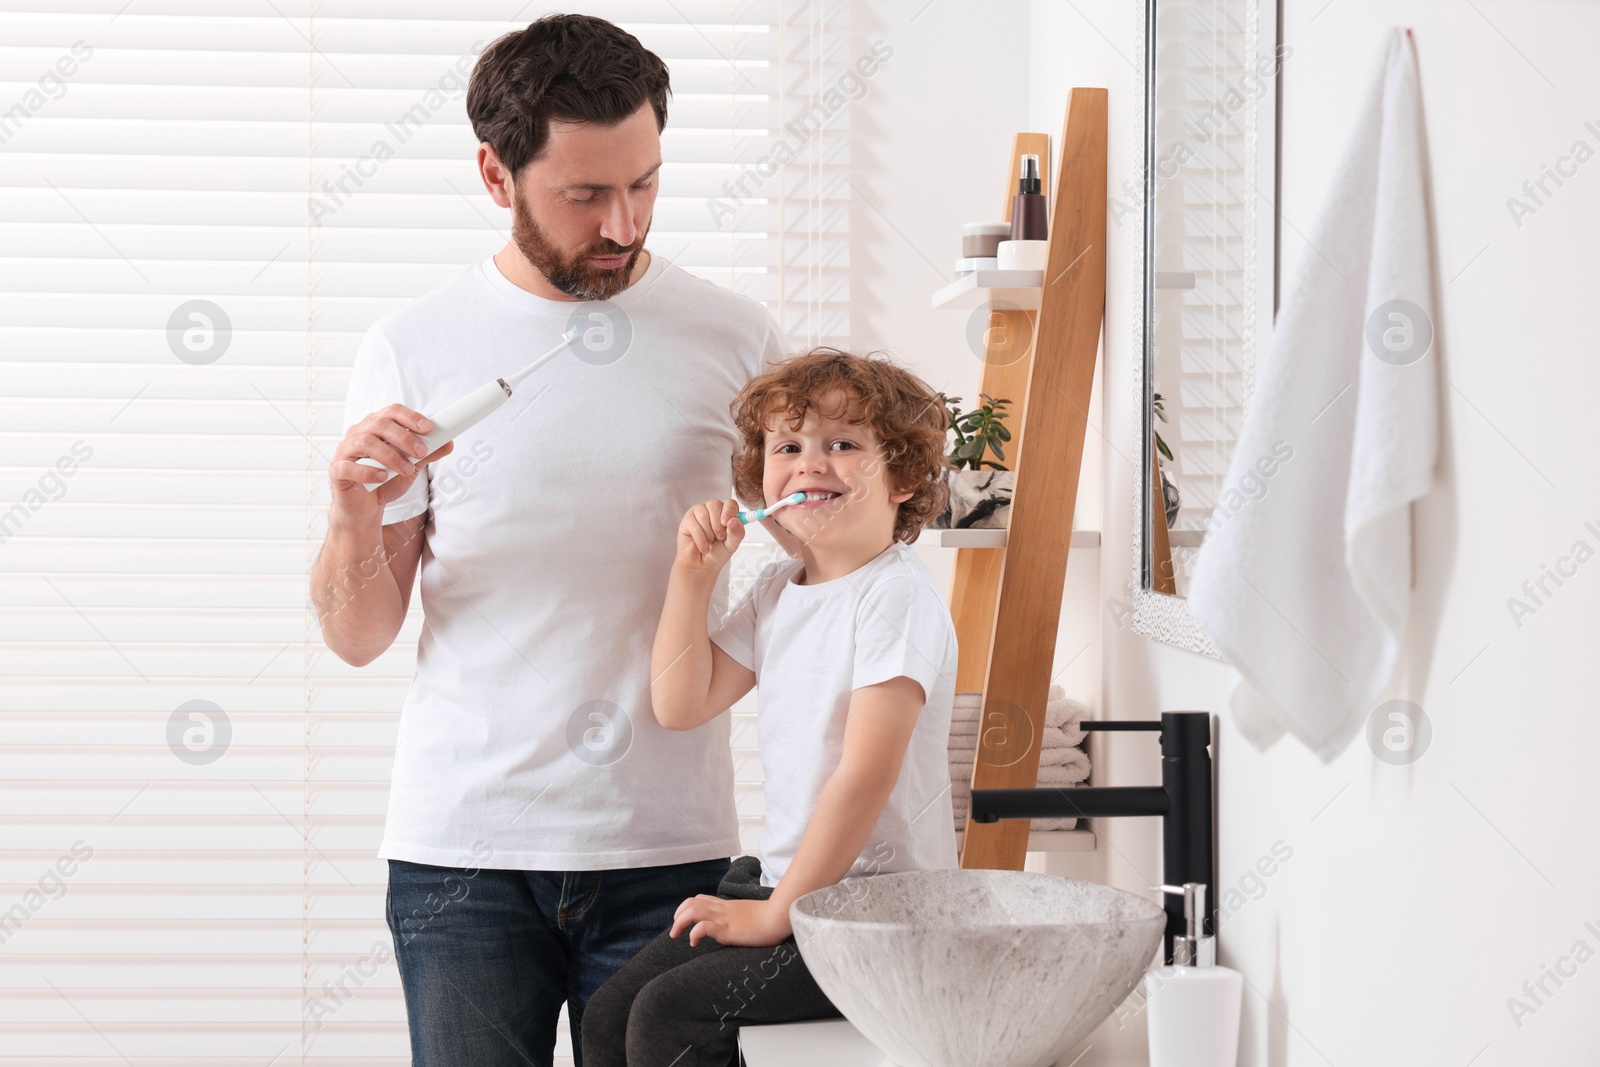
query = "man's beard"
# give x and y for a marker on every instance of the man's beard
(574, 275)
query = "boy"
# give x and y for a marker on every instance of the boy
(853, 655)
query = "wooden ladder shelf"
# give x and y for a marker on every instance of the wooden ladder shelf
(1006, 603)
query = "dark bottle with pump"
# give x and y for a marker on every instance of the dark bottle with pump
(1028, 221)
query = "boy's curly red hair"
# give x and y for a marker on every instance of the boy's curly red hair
(910, 420)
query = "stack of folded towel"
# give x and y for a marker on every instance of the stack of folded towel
(1061, 761)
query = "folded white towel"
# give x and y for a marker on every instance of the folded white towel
(968, 743)
(1065, 756)
(1072, 766)
(1061, 762)
(1051, 760)
(1305, 586)
(1062, 739)
(1064, 711)
(1073, 731)
(1072, 773)
(1059, 710)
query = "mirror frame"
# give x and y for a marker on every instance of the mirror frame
(1161, 616)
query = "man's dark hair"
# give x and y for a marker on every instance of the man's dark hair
(573, 68)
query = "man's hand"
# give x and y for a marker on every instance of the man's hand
(753, 923)
(708, 536)
(392, 437)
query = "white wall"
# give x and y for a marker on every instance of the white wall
(929, 152)
(1097, 44)
(1417, 899)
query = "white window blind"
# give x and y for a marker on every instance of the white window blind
(192, 786)
(1204, 99)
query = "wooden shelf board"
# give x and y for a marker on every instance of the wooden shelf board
(997, 538)
(1078, 840)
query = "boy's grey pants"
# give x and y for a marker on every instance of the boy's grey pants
(681, 1006)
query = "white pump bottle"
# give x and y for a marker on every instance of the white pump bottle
(1193, 1004)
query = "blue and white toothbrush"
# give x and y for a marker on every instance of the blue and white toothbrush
(747, 517)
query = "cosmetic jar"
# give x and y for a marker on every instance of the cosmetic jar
(1023, 255)
(980, 239)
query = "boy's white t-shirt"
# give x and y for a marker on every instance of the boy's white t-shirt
(811, 646)
(527, 739)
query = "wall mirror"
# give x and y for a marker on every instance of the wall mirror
(1208, 287)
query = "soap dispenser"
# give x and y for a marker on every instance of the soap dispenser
(1193, 1004)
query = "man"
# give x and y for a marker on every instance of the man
(542, 827)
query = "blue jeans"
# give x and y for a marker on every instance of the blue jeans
(488, 957)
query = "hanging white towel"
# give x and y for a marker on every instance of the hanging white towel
(1304, 582)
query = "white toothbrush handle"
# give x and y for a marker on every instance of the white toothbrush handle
(452, 421)
(747, 517)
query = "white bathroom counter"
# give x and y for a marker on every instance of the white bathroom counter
(831, 1041)
(838, 1044)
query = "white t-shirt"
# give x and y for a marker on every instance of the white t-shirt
(527, 740)
(811, 646)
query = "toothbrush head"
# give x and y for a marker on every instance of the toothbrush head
(792, 498)
(748, 517)
(572, 334)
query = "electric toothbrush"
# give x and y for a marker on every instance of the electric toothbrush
(472, 408)
(747, 517)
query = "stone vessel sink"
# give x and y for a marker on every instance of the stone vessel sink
(975, 968)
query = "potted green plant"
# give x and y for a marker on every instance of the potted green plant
(980, 482)
(1170, 500)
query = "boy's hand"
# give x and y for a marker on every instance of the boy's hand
(752, 923)
(708, 535)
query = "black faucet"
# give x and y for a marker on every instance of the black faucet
(1183, 800)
